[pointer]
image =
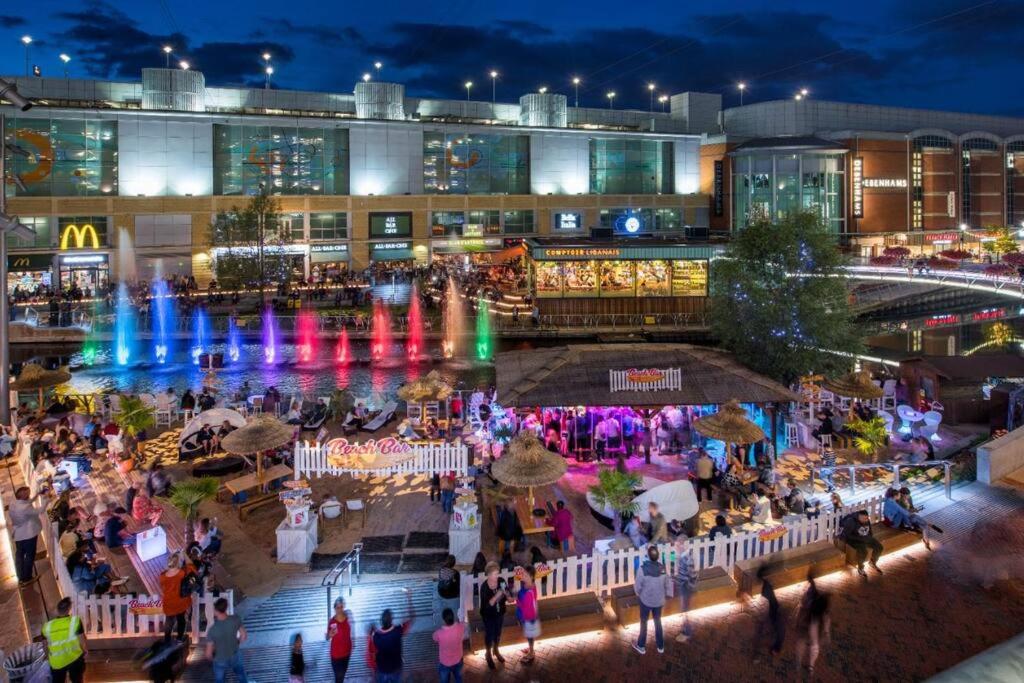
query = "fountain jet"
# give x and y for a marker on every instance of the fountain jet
(124, 327)
(414, 341)
(484, 338)
(162, 320)
(342, 352)
(305, 342)
(200, 333)
(269, 336)
(234, 347)
(454, 322)
(380, 335)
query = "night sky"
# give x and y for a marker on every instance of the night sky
(943, 54)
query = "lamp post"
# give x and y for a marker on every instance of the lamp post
(8, 225)
(494, 88)
(576, 86)
(184, 65)
(611, 99)
(270, 72)
(963, 232)
(27, 40)
(650, 89)
(741, 86)
(378, 66)
(542, 89)
(65, 58)
(468, 84)
(167, 56)
(366, 77)
(664, 103)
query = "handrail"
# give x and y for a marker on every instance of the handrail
(343, 568)
(894, 465)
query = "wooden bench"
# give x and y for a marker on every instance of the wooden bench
(788, 567)
(714, 587)
(255, 502)
(560, 616)
(892, 539)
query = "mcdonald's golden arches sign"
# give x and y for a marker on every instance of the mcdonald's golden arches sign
(75, 237)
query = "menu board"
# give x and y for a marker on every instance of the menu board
(690, 278)
(652, 278)
(617, 279)
(580, 278)
(549, 278)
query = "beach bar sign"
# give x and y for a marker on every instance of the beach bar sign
(372, 453)
(646, 379)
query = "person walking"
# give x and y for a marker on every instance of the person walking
(493, 596)
(448, 492)
(176, 586)
(705, 467)
(815, 623)
(27, 525)
(339, 633)
(527, 611)
(659, 525)
(387, 644)
(223, 640)
(773, 623)
(686, 584)
(652, 586)
(449, 647)
(448, 586)
(66, 648)
(297, 664)
(561, 522)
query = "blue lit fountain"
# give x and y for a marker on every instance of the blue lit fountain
(162, 320)
(200, 334)
(124, 327)
(234, 346)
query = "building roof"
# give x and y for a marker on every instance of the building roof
(579, 375)
(790, 142)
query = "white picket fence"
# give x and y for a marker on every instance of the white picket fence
(427, 457)
(599, 573)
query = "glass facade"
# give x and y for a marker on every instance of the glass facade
(289, 160)
(771, 186)
(43, 238)
(61, 157)
(646, 221)
(481, 223)
(631, 166)
(291, 226)
(328, 226)
(519, 222)
(464, 163)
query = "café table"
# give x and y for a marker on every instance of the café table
(251, 481)
(531, 524)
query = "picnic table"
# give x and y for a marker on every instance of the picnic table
(251, 481)
(531, 524)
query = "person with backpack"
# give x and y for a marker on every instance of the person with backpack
(686, 584)
(176, 586)
(652, 586)
(447, 588)
(527, 611)
(387, 644)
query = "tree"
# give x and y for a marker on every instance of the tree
(244, 233)
(187, 495)
(779, 300)
(616, 490)
(872, 436)
(1001, 241)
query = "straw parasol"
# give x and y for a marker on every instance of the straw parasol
(526, 463)
(264, 433)
(35, 377)
(428, 388)
(730, 424)
(854, 385)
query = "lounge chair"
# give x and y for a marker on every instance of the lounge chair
(317, 419)
(190, 449)
(382, 418)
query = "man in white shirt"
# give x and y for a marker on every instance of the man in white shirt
(26, 525)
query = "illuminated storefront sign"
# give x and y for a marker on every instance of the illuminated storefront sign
(858, 187)
(83, 260)
(385, 246)
(390, 224)
(84, 237)
(580, 252)
(941, 237)
(646, 379)
(268, 249)
(988, 314)
(568, 222)
(322, 248)
(942, 320)
(885, 183)
(718, 188)
(469, 244)
(345, 454)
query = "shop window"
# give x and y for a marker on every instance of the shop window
(63, 157)
(519, 222)
(465, 163)
(43, 238)
(631, 166)
(482, 222)
(291, 226)
(444, 223)
(668, 219)
(328, 226)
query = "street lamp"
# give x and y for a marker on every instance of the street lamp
(804, 92)
(664, 102)
(798, 97)
(611, 99)
(27, 40)
(494, 87)
(650, 89)
(576, 86)
(8, 225)
(167, 56)
(65, 58)
(741, 86)
(378, 66)
(542, 89)
(963, 232)
(366, 77)
(270, 72)
(184, 65)
(469, 84)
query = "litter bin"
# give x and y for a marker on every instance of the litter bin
(24, 661)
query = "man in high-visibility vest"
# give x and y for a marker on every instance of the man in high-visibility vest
(65, 645)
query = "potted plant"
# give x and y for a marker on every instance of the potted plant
(187, 495)
(871, 437)
(135, 418)
(616, 491)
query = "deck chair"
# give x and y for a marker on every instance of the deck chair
(317, 419)
(383, 417)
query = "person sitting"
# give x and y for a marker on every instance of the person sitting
(88, 573)
(761, 513)
(92, 425)
(225, 428)
(855, 530)
(433, 431)
(863, 411)
(293, 416)
(115, 530)
(205, 438)
(635, 532)
(206, 400)
(720, 528)
(824, 427)
(157, 481)
(319, 415)
(143, 510)
(405, 431)
(907, 501)
(899, 517)
(188, 400)
(795, 502)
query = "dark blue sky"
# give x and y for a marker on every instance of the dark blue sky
(945, 54)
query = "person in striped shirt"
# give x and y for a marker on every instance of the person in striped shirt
(686, 584)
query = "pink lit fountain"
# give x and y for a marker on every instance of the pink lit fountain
(305, 337)
(342, 353)
(414, 350)
(380, 334)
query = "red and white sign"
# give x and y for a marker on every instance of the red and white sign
(150, 607)
(343, 453)
(942, 320)
(988, 314)
(646, 379)
(644, 376)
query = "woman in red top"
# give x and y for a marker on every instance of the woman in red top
(175, 606)
(339, 632)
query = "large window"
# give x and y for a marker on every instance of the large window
(476, 163)
(444, 223)
(773, 186)
(291, 226)
(43, 238)
(631, 166)
(288, 160)
(631, 221)
(518, 222)
(61, 157)
(328, 226)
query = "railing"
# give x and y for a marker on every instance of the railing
(311, 461)
(599, 573)
(891, 465)
(613, 320)
(343, 571)
(1006, 285)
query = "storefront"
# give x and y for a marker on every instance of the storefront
(26, 273)
(643, 276)
(467, 251)
(398, 253)
(328, 261)
(89, 272)
(287, 261)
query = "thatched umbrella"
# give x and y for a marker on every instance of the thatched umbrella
(264, 433)
(854, 385)
(33, 376)
(730, 424)
(526, 463)
(428, 388)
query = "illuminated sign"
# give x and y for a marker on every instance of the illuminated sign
(629, 223)
(319, 248)
(80, 236)
(941, 237)
(345, 454)
(858, 187)
(988, 314)
(391, 245)
(645, 376)
(579, 252)
(942, 320)
(390, 224)
(885, 183)
(646, 379)
(951, 204)
(469, 243)
(718, 188)
(84, 259)
(568, 221)
(150, 607)
(632, 224)
(267, 249)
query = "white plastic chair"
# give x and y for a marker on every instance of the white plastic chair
(889, 420)
(792, 435)
(257, 404)
(908, 416)
(932, 419)
(889, 394)
(163, 411)
(115, 405)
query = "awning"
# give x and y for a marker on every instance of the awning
(328, 253)
(391, 251)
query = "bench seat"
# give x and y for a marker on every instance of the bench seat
(788, 567)
(892, 539)
(714, 587)
(560, 616)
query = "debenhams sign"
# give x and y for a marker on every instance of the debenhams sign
(884, 183)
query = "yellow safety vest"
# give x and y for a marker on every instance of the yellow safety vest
(62, 641)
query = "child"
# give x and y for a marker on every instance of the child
(297, 669)
(526, 611)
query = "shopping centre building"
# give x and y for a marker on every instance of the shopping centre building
(365, 177)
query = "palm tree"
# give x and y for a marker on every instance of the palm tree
(616, 490)
(872, 436)
(186, 497)
(135, 418)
